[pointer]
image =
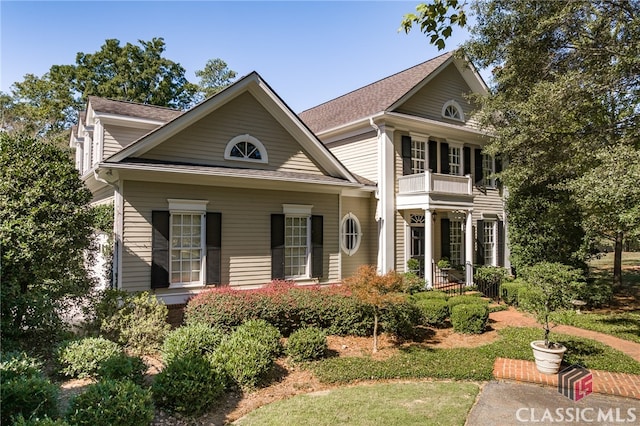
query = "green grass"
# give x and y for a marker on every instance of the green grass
(472, 363)
(442, 403)
(625, 325)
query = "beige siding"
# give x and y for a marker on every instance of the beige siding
(246, 215)
(360, 157)
(102, 194)
(204, 142)
(488, 201)
(364, 210)
(118, 137)
(446, 86)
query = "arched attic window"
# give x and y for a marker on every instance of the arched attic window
(246, 148)
(452, 111)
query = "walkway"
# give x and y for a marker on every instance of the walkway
(619, 384)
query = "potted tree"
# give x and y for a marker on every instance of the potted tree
(551, 287)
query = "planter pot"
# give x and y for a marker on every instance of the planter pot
(548, 360)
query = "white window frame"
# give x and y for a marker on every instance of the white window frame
(456, 241)
(452, 108)
(418, 156)
(492, 239)
(193, 208)
(455, 153)
(297, 211)
(347, 233)
(488, 169)
(264, 157)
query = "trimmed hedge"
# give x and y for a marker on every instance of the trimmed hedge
(509, 291)
(469, 318)
(123, 367)
(27, 396)
(434, 311)
(284, 305)
(307, 344)
(83, 358)
(193, 339)
(466, 300)
(111, 402)
(429, 294)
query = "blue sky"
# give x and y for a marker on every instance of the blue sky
(309, 52)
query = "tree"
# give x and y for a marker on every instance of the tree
(566, 91)
(133, 73)
(215, 76)
(378, 291)
(45, 228)
(433, 20)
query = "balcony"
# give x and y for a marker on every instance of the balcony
(421, 190)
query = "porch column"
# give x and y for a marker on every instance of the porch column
(468, 248)
(428, 248)
(386, 191)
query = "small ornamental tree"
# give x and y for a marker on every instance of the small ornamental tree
(378, 291)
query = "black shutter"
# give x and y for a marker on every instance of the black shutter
(466, 152)
(445, 238)
(478, 166)
(444, 158)
(501, 243)
(498, 164)
(406, 155)
(480, 242)
(433, 156)
(316, 246)
(277, 246)
(214, 248)
(160, 249)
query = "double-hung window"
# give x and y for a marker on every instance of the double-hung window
(187, 247)
(418, 156)
(489, 243)
(487, 171)
(296, 248)
(454, 160)
(455, 241)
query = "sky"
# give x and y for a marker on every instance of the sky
(309, 52)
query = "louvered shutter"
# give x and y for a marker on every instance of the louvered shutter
(160, 249)
(277, 246)
(214, 248)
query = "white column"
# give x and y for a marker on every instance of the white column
(468, 247)
(386, 190)
(428, 247)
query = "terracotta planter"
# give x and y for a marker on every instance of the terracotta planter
(548, 360)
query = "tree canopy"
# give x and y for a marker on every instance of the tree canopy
(564, 104)
(215, 76)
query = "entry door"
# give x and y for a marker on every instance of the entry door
(417, 246)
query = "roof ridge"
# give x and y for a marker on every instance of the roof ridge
(378, 81)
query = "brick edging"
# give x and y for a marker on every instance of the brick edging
(604, 382)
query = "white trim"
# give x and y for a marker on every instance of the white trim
(358, 234)
(203, 255)
(180, 205)
(264, 157)
(297, 209)
(457, 107)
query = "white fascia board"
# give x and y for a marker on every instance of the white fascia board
(434, 128)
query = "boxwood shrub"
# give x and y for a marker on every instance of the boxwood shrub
(509, 291)
(192, 339)
(123, 367)
(27, 396)
(469, 318)
(429, 294)
(434, 311)
(307, 344)
(18, 364)
(188, 385)
(111, 402)
(466, 300)
(82, 358)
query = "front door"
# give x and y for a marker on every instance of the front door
(417, 247)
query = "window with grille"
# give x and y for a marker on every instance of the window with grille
(418, 156)
(489, 242)
(296, 246)
(351, 234)
(186, 247)
(487, 170)
(455, 241)
(454, 160)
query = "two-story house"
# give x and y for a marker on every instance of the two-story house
(239, 190)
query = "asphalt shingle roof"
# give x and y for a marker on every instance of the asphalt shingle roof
(368, 100)
(132, 109)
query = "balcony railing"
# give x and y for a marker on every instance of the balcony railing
(429, 182)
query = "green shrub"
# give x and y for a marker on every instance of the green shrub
(284, 305)
(413, 283)
(434, 311)
(401, 319)
(191, 339)
(139, 324)
(248, 354)
(429, 294)
(188, 385)
(18, 364)
(111, 402)
(509, 291)
(123, 367)
(469, 319)
(82, 358)
(595, 293)
(38, 421)
(307, 344)
(466, 300)
(27, 396)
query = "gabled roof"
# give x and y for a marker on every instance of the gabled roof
(132, 109)
(255, 85)
(380, 96)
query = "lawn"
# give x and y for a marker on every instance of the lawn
(444, 403)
